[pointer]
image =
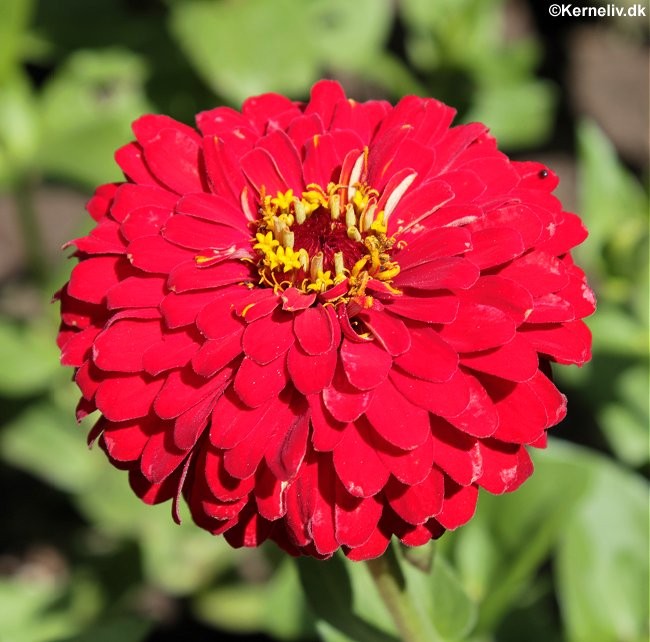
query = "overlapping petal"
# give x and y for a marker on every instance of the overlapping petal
(324, 414)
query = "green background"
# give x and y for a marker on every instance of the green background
(81, 559)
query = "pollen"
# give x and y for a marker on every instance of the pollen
(324, 236)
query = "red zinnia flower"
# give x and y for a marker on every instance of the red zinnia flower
(324, 323)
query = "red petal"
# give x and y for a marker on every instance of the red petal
(515, 360)
(141, 291)
(160, 458)
(294, 300)
(433, 244)
(357, 464)
(311, 373)
(343, 401)
(565, 343)
(374, 547)
(211, 207)
(283, 445)
(127, 397)
(432, 308)
(269, 494)
(366, 365)
(214, 355)
(223, 486)
(232, 421)
(326, 431)
(183, 389)
(503, 466)
(447, 272)
(313, 328)
(120, 347)
(516, 217)
(398, 421)
(410, 467)
(391, 332)
(539, 272)
(480, 418)
(553, 400)
(125, 441)
(506, 295)
(222, 167)
(129, 158)
(416, 504)
(189, 425)
(324, 97)
(255, 383)
(130, 198)
(196, 234)
(92, 278)
(447, 399)
(478, 327)
(355, 518)
(250, 530)
(173, 158)
(456, 453)
(429, 357)
(494, 246)
(151, 493)
(181, 309)
(268, 338)
(522, 416)
(284, 455)
(321, 159)
(459, 505)
(286, 158)
(154, 254)
(217, 319)
(173, 351)
(187, 276)
(77, 348)
(262, 172)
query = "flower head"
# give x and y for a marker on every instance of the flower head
(325, 323)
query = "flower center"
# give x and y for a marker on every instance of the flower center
(323, 238)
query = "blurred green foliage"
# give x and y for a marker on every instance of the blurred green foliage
(564, 558)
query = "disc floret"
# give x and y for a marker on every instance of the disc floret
(322, 238)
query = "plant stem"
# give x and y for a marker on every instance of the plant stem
(30, 229)
(392, 587)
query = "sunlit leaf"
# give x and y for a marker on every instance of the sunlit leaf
(328, 588)
(106, 90)
(603, 558)
(275, 607)
(29, 358)
(252, 46)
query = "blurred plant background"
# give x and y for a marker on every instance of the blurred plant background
(81, 559)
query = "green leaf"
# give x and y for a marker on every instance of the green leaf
(251, 46)
(613, 204)
(16, 15)
(442, 598)
(626, 424)
(328, 588)
(123, 628)
(45, 608)
(603, 560)
(18, 128)
(87, 110)
(29, 357)
(29, 441)
(499, 551)
(276, 607)
(518, 115)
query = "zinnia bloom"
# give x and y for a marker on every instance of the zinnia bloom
(326, 323)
